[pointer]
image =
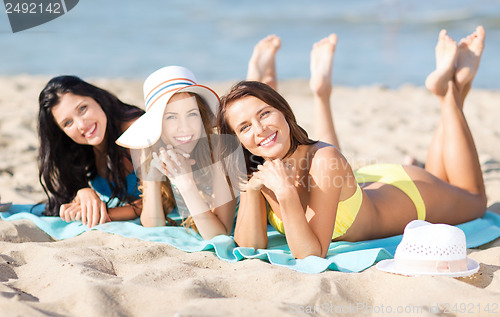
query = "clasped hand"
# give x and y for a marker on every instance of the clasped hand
(276, 175)
(87, 207)
(175, 164)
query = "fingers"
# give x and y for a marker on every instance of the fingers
(175, 160)
(96, 212)
(93, 213)
(276, 174)
(87, 207)
(257, 175)
(70, 212)
(179, 151)
(104, 213)
(83, 213)
(100, 214)
(170, 160)
(173, 155)
(256, 182)
(275, 164)
(158, 164)
(64, 213)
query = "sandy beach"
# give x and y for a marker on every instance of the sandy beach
(100, 274)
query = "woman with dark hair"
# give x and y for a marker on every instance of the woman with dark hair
(307, 189)
(79, 162)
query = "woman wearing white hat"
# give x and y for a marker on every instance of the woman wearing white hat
(165, 97)
(176, 138)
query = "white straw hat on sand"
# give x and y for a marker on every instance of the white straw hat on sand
(159, 87)
(431, 249)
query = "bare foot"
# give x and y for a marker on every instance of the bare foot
(261, 66)
(321, 66)
(446, 52)
(468, 58)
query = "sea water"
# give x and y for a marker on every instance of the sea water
(382, 42)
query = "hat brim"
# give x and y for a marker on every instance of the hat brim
(146, 130)
(390, 267)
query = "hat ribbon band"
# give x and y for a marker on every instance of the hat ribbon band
(432, 266)
(148, 101)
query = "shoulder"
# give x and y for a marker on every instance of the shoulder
(328, 159)
(321, 150)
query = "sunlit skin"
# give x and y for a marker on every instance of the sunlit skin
(182, 127)
(182, 124)
(261, 128)
(305, 188)
(82, 119)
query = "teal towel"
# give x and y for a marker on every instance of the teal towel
(342, 256)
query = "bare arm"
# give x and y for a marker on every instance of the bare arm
(210, 223)
(309, 231)
(251, 224)
(152, 214)
(93, 211)
(127, 212)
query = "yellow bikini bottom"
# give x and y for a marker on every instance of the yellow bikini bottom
(348, 209)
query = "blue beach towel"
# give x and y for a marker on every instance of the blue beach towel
(342, 256)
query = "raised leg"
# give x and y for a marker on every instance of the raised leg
(437, 82)
(466, 57)
(321, 86)
(461, 196)
(460, 159)
(262, 66)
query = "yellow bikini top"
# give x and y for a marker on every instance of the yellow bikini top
(392, 174)
(346, 213)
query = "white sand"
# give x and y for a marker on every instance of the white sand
(99, 274)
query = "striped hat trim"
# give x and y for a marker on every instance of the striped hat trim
(181, 81)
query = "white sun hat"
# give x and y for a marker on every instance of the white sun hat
(158, 88)
(431, 249)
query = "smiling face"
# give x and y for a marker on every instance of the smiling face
(182, 123)
(81, 118)
(261, 129)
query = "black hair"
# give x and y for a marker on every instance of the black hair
(65, 166)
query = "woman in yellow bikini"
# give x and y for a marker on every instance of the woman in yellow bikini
(308, 190)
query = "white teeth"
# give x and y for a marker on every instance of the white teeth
(91, 131)
(268, 139)
(183, 138)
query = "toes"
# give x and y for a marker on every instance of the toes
(442, 34)
(272, 40)
(480, 31)
(276, 42)
(450, 41)
(330, 40)
(333, 39)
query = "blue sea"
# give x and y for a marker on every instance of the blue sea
(382, 42)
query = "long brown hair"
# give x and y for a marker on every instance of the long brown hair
(298, 136)
(201, 158)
